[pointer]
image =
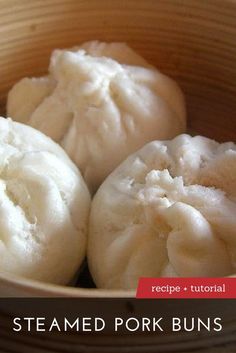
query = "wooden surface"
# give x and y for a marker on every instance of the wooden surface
(191, 40)
(124, 342)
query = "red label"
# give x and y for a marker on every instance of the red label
(187, 288)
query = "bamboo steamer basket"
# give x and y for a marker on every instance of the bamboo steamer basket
(192, 41)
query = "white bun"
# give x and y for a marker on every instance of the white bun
(101, 102)
(168, 210)
(44, 207)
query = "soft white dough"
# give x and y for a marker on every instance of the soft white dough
(167, 210)
(44, 207)
(101, 102)
(27, 94)
(120, 52)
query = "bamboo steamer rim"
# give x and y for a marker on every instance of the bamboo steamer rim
(32, 288)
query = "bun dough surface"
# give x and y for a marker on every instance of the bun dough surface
(168, 210)
(44, 206)
(101, 102)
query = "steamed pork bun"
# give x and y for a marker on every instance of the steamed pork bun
(100, 102)
(44, 206)
(168, 210)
